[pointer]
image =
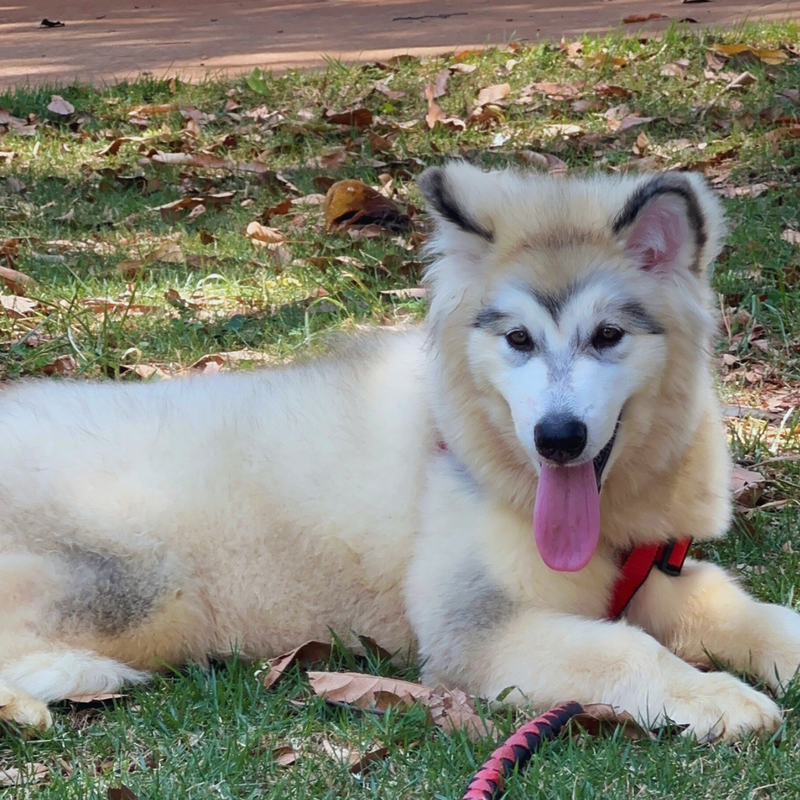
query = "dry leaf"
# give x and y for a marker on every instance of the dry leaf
(284, 207)
(167, 253)
(793, 237)
(285, 755)
(561, 129)
(130, 268)
(598, 717)
(439, 84)
(740, 81)
(31, 773)
(558, 91)
(58, 105)
(17, 307)
(464, 69)
(414, 293)
(263, 236)
(352, 202)
(492, 94)
(545, 161)
(60, 365)
(16, 282)
(383, 88)
(634, 18)
(452, 710)
(357, 118)
(674, 70)
(100, 697)
(612, 90)
(356, 762)
(772, 57)
(308, 653)
(747, 486)
(436, 115)
(121, 792)
(205, 161)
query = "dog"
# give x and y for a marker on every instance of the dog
(462, 490)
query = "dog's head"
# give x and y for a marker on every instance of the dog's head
(564, 301)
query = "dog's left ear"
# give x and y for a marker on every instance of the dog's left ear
(671, 222)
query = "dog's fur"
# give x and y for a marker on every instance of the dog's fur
(148, 525)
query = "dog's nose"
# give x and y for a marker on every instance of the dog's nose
(560, 438)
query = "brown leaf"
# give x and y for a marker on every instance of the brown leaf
(121, 792)
(100, 697)
(450, 710)
(167, 253)
(747, 486)
(634, 18)
(545, 161)
(149, 111)
(284, 207)
(285, 755)
(599, 717)
(742, 80)
(308, 653)
(60, 365)
(414, 293)
(357, 118)
(436, 115)
(383, 88)
(262, 236)
(356, 762)
(772, 57)
(674, 70)
(439, 84)
(559, 91)
(612, 90)
(130, 268)
(492, 94)
(16, 282)
(17, 307)
(206, 161)
(33, 772)
(58, 105)
(331, 159)
(352, 202)
(464, 69)
(793, 237)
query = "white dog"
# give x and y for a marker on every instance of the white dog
(466, 490)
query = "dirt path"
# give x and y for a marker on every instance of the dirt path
(193, 37)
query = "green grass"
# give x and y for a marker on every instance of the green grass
(75, 214)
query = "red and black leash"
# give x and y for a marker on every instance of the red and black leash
(516, 751)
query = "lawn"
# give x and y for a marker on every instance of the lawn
(127, 212)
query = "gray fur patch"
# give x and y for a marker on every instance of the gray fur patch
(473, 602)
(109, 592)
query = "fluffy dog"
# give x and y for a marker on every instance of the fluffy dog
(463, 489)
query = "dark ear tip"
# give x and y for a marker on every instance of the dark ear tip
(430, 183)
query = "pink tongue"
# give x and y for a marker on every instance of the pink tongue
(566, 519)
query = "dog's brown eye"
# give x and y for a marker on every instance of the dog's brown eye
(607, 336)
(520, 340)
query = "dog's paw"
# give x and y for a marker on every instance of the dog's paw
(778, 660)
(21, 709)
(720, 707)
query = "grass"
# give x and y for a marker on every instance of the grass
(70, 214)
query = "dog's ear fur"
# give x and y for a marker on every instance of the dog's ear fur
(459, 197)
(671, 222)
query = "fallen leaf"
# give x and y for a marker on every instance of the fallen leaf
(284, 207)
(58, 105)
(205, 161)
(450, 710)
(545, 161)
(558, 91)
(492, 94)
(17, 307)
(100, 697)
(772, 57)
(263, 236)
(149, 111)
(60, 365)
(33, 772)
(612, 90)
(285, 755)
(121, 792)
(634, 18)
(674, 70)
(742, 80)
(793, 237)
(130, 268)
(333, 158)
(599, 717)
(357, 118)
(16, 282)
(308, 653)
(383, 88)
(167, 253)
(413, 293)
(352, 202)
(747, 486)
(439, 84)
(464, 69)
(356, 762)
(561, 129)
(436, 116)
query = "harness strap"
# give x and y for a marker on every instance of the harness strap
(636, 567)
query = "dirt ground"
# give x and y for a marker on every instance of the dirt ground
(193, 37)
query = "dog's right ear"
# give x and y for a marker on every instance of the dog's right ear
(456, 195)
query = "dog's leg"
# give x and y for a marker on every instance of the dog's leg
(551, 658)
(703, 611)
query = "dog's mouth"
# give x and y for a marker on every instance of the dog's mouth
(566, 515)
(601, 459)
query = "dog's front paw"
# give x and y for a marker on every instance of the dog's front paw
(777, 658)
(21, 709)
(717, 706)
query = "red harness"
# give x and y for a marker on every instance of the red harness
(636, 567)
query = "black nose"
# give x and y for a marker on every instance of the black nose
(560, 438)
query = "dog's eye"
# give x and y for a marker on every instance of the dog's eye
(607, 336)
(520, 339)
